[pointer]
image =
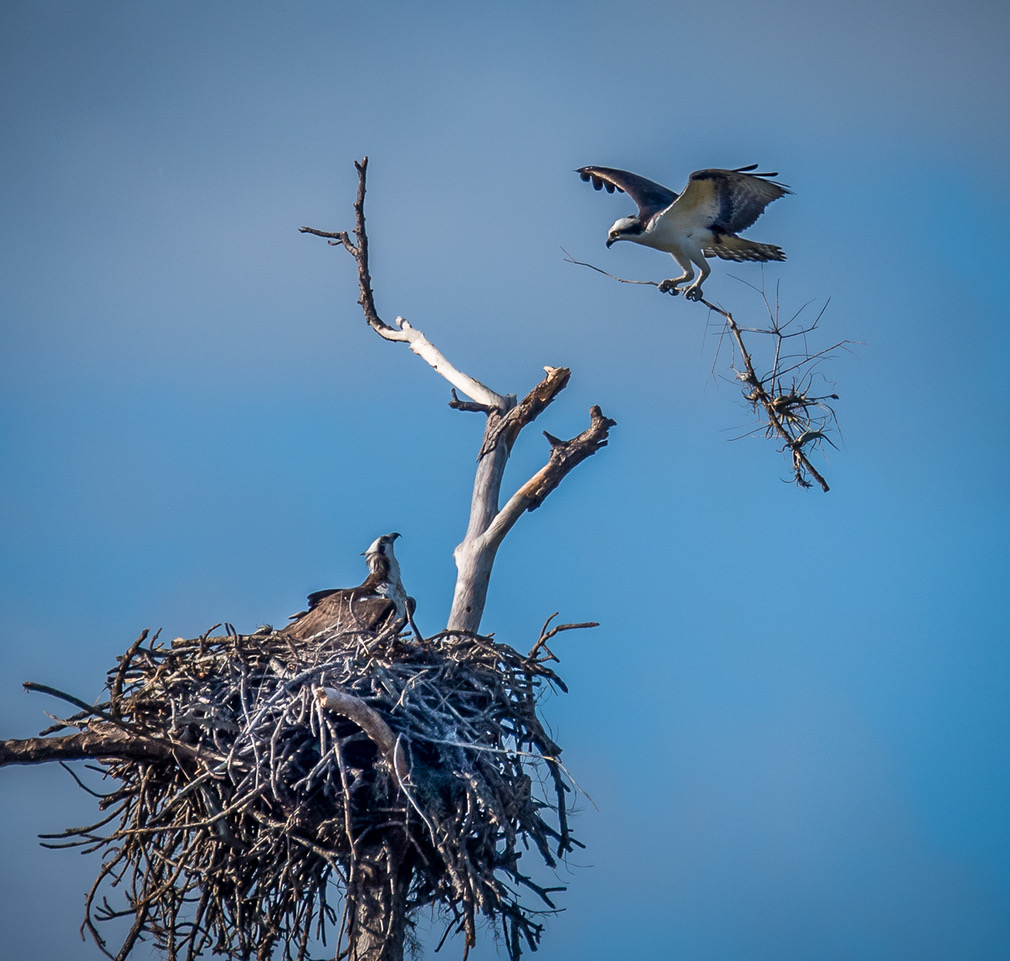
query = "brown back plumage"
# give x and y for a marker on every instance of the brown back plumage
(378, 602)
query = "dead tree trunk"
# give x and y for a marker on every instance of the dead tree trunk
(505, 418)
(379, 912)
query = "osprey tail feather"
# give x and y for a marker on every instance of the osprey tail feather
(736, 248)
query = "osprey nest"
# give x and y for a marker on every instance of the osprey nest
(268, 779)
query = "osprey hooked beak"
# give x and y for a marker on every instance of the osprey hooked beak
(611, 240)
(376, 546)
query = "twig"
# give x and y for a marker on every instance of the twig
(621, 280)
(546, 635)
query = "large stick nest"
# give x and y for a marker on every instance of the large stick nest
(256, 796)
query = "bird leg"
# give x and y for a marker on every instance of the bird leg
(670, 286)
(687, 260)
(684, 262)
(694, 291)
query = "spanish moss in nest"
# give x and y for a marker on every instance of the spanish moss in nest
(252, 794)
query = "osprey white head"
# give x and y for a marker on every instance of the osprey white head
(627, 228)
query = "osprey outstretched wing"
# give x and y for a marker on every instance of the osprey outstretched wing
(701, 222)
(380, 600)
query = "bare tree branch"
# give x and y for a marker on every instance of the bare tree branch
(546, 635)
(369, 721)
(776, 407)
(402, 332)
(475, 555)
(106, 737)
(565, 454)
(788, 409)
(428, 352)
(100, 741)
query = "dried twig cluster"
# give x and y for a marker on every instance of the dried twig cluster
(783, 391)
(259, 771)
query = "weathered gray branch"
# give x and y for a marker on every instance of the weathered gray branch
(428, 352)
(102, 740)
(488, 525)
(402, 332)
(506, 417)
(369, 720)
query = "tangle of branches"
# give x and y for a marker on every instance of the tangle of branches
(781, 390)
(782, 393)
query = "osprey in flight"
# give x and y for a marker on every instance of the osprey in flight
(702, 222)
(378, 602)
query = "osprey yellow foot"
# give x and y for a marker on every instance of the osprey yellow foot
(669, 287)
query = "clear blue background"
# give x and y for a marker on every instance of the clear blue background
(794, 718)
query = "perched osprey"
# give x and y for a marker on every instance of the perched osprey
(380, 601)
(702, 222)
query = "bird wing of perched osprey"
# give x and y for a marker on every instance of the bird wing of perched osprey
(342, 610)
(701, 222)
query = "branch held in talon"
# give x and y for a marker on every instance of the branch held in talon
(701, 222)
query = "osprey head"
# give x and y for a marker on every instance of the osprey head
(382, 546)
(627, 228)
(382, 564)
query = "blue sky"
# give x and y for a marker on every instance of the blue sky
(794, 718)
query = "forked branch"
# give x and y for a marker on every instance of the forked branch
(506, 417)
